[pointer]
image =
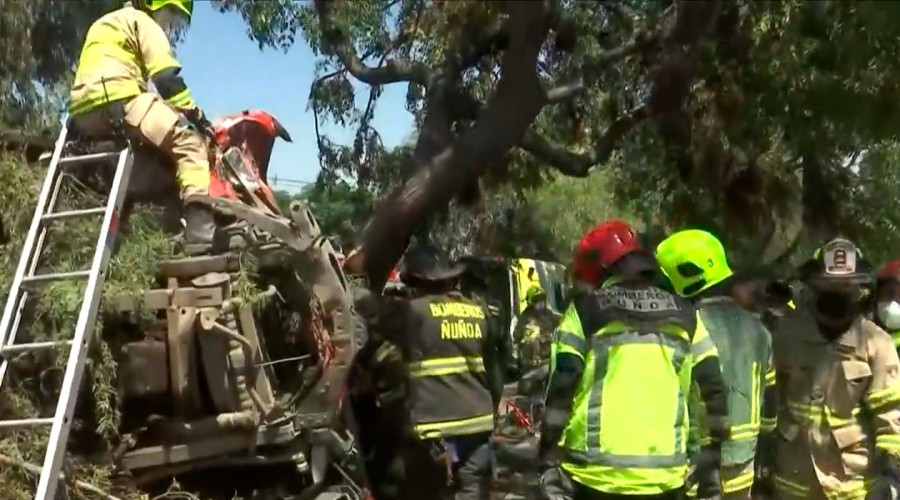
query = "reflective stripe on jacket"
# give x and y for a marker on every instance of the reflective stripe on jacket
(839, 407)
(628, 427)
(745, 357)
(122, 50)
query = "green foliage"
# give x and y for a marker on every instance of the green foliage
(41, 41)
(721, 131)
(875, 204)
(29, 385)
(568, 208)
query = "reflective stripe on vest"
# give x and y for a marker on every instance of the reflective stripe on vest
(606, 345)
(744, 348)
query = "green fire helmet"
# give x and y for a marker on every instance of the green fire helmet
(534, 294)
(693, 260)
(185, 6)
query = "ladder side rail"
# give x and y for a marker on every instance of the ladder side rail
(23, 292)
(36, 233)
(84, 330)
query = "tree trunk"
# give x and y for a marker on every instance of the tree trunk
(512, 108)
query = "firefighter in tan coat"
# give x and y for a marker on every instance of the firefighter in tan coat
(839, 402)
(122, 51)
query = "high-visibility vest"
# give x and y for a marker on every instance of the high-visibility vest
(450, 392)
(745, 357)
(628, 429)
(122, 50)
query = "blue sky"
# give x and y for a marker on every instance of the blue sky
(228, 73)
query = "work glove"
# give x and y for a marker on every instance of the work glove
(704, 473)
(198, 119)
(556, 485)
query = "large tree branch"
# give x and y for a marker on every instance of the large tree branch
(336, 42)
(639, 43)
(491, 41)
(579, 165)
(513, 106)
(446, 100)
(567, 162)
(320, 143)
(565, 91)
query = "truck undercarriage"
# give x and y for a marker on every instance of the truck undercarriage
(250, 381)
(230, 370)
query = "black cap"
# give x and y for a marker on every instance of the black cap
(423, 262)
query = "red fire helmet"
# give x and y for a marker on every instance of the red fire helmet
(601, 248)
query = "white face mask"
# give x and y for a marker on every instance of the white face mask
(889, 314)
(172, 21)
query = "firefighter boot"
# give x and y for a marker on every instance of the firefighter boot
(201, 234)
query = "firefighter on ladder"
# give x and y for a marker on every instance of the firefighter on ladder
(838, 378)
(696, 265)
(624, 355)
(122, 50)
(427, 430)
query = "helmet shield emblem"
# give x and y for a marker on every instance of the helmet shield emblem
(839, 257)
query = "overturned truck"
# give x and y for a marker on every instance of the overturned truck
(250, 380)
(221, 380)
(234, 361)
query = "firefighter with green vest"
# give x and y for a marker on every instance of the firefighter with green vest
(887, 299)
(695, 263)
(426, 430)
(624, 357)
(122, 51)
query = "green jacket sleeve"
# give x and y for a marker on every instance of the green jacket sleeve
(708, 376)
(566, 367)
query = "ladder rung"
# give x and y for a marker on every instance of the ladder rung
(25, 423)
(32, 346)
(46, 278)
(91, 158)
(68, 214)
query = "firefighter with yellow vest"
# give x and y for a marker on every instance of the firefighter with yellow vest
(122, 51)
(624, 357)
(430, 426)
(838, 378)
(695, 263)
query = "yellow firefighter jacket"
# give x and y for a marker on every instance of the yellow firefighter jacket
(839, 408)
(122, 50)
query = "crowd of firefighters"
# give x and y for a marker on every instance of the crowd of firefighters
(668, 376)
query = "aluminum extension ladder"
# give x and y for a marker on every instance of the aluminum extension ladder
(25, 277)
